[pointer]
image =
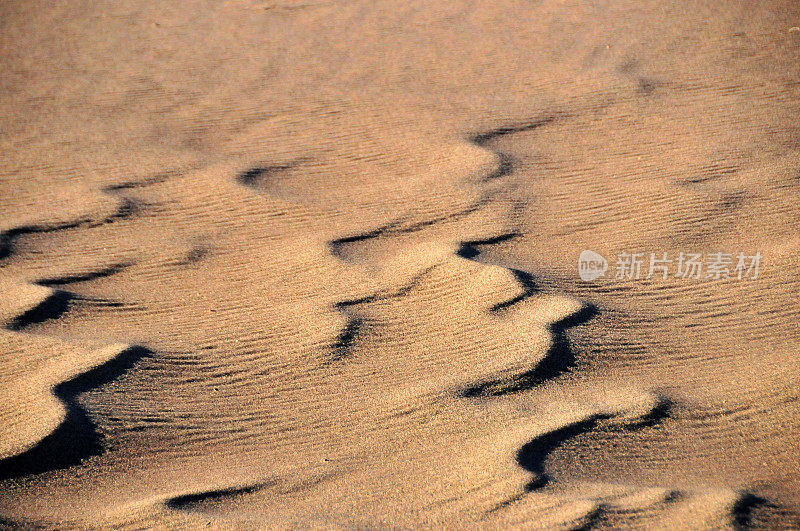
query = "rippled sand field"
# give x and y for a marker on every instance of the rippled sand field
(283, 264)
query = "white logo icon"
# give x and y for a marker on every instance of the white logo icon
(591, 265)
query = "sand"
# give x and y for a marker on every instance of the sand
(315, 264)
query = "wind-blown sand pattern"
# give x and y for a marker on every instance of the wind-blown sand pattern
(294, 264)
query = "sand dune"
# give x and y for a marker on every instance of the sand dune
(295, 264)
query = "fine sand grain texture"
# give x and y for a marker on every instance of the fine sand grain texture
(315, 264)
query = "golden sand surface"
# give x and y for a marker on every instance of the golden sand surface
(307, 263)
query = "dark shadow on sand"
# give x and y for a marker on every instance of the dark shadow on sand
(559, 359)
(76, 438)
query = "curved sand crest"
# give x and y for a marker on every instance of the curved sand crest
(42, 420)
(44, 427)
(44, 391)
